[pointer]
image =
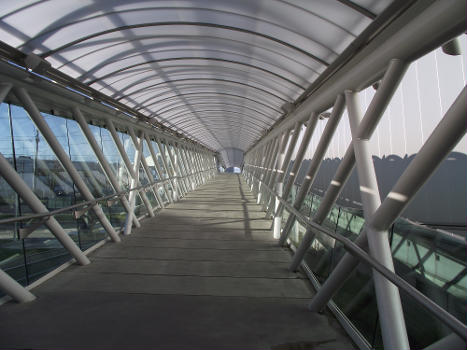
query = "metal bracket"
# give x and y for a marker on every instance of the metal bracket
(33, 225)
(111, 202)
(78, 213)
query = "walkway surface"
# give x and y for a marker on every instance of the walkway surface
(204, 273)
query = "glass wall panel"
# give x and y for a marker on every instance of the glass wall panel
(23, 145)
(11, 248)
(85, 161)
(164, 174)
(433, 259)
(114, 211)
(43, 172)
(159, 159)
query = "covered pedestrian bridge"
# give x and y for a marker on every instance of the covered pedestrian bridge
(122, 225)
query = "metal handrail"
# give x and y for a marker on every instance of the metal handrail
(93, 202)
(446, 235)
(456, 326)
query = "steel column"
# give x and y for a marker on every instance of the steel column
(22, 189)
(270, 167)
(170, 172)
(181, 167)
(261, 164)
(192, 157)
(388, 299)
(276, 166)
(264, 169)
(259, 160)
(311, 125)
(254, 162)
(8, 284)
(372, 116)
(262, 158)
(133, 183)
(316, 161)
(297, 163)
(128, 165)
(442, 140)
(15, 290)
(188, 171)
(203, 163)
(260, 167)
(386, 89)
(144, 163)
(158, 168)
(45, 130)
(277, 219)
(102, 160)
(176, 168)
(278, 155)
(194, 166)
(282, 172)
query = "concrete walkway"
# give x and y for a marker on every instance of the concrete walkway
(204, 273)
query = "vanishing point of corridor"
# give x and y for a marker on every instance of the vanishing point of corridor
(205, 272)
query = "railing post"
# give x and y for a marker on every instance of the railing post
(63, 157)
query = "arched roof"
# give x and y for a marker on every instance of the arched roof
(217, 71)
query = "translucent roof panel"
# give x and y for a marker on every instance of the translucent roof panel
(217, 71)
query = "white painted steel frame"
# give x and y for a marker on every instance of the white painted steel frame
(310, 128)
(63, 157)
(166, 186)
(409, 37)
(318, 157)
(21, 91)
(391, 315)
(130, 169)
(410, 43)
(372, 116)
(102, 160)
(139, 142)
(277, 166)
